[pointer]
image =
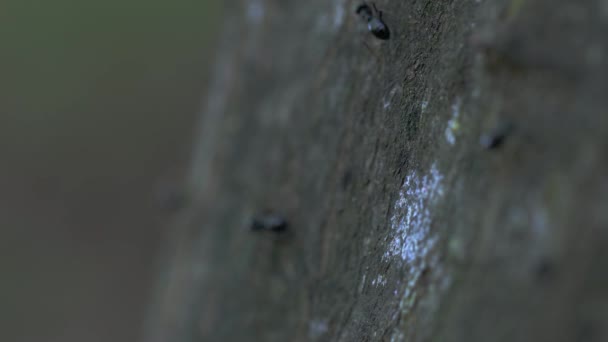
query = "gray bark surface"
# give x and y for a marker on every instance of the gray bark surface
(402, 226)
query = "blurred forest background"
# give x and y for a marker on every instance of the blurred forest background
(98, 101)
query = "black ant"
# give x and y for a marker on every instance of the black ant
(270, 222)
(373, 17)
(497, 136)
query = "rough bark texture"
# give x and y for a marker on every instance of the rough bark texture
(403, 227)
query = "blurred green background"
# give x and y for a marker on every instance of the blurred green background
(98, 104)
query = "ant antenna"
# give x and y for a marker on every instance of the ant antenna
(374, 6)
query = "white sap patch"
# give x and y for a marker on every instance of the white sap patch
(387, 100)
(411, 242)
(453, 124)
(423, 106)
(410, 238)
(398, 336)
(362, 284)
(379, 281)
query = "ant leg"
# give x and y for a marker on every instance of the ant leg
(376, 10)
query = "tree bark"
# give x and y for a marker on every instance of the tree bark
(447, 184)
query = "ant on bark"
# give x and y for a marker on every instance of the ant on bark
(373, 17)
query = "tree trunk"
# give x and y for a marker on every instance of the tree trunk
(446, 184)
